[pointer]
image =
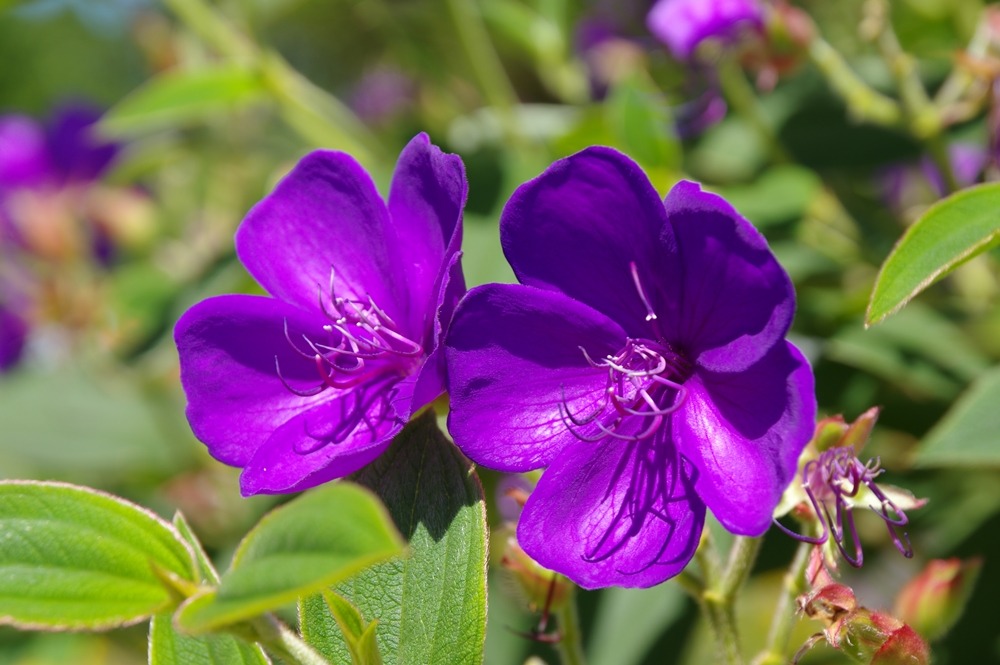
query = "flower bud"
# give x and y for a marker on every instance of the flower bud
(543, 589)
(934, 600)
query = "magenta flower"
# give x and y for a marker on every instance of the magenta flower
(683, 24)
(312, 384)
(642, 360)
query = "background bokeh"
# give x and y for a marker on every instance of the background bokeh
(212, 103)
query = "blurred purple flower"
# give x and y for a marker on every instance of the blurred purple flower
(381, 94)
(693, 117)
(13, 334)
(64, 152)
(313, 383)
(683, 24)
(904, 186)
(642, 360)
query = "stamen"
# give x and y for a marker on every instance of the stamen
(650, 314)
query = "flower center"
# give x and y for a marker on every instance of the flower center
(644, 380)
(362, 343)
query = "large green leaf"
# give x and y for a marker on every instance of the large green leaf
(951, 232)
(969, 434)
(178, 97)
(74, 558)
(629, 621)
(431, 607)
(306, 545)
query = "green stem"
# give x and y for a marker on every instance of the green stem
(923, 116)
(483, 58)
(570, 646)
(863, 102)
(741, 96)
(284, 642)
(741, 559)
(775, 653)
(718, 600)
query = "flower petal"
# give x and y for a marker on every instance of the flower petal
(734, 301)
(325, 214)
(744, 432)
(620, 513)
(77, 151)
(426, 199)
(330, 440)
(511, 352)
(227, 348)
(577, 227)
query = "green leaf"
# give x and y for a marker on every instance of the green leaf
(207, 572)
(431, 608)
(168, 647)
(639, 116)
(950, 233)
(180, 97)
(969, 434)
(629, 621)
(359, 636)
(317, 540)
(74, 558)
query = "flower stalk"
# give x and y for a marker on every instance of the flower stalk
(775, 653)
(570, 645)
(282, 641)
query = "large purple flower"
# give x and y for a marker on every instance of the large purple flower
(642, 360)
(312, 384)
(683, 24)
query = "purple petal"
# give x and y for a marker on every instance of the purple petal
(511, 352)
(577, 227)
(227, 348)
(425, 203)
(24, 156)
(683, 24)
(329, 441)
(325, 214)
(734, 301)
(432, 379)
(744, 431)
(620, 513)
(78, 154)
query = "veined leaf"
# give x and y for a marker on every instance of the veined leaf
(74, 558)
(168, 647)
(950, 233)
(430, 607)
(298, 549)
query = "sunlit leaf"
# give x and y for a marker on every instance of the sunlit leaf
(951, 232)
(73, 558)
(310, 543)
(179, 97)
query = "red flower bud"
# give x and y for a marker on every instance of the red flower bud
(934, 600)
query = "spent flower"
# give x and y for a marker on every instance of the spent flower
(642, 360)
(312, 384)
(833, 482)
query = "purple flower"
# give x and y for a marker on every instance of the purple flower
(312, 384)
(66, 151)
(13, 334)
(683, 24)
(642, 360)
